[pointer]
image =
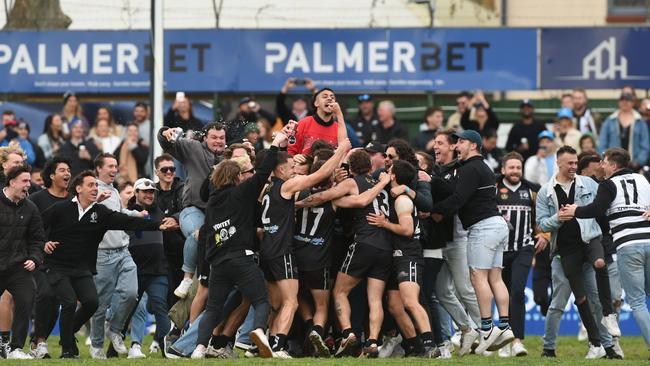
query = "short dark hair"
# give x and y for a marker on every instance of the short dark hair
(18, 170)
(431, 110)
(323, 154)
(566, 149)
(50, 168)
(618, 156)
(359, 162)
(314, 168)
(218, 126)
(135, 124)
(449, 132)
(8, 112)
(161, 158)
(465, 94)
(403, 171)
(313, 100)
(78, 180)
(99, 160)
(513, 155)
(141, 104)
(227, 154)
(584, 162)
(122, 186)
(320, 144)
(283, 157)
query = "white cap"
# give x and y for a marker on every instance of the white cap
(144, 184)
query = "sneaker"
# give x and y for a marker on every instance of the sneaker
(69, 354)
(4, 350)
(223, 353)
(183, 288)
(18, 354)
(282, 354)
(346, 345)
(155, 347)
(320, 348)
(456, 339)
(505, 351)
(40, 351)
(389, 344)
(370, 351)
(549, 353)
(467, 341)
(486, 339)
(252, 352)
(88, 342)
(136, 351)
(611, 323)
(611, 354)
(519, 350)
(582, 333)
(97, 353)
(259, 338)
(505, 337)
(198, 353)
(243, 346)
(595, 352)
(431, 352)
(444, 351)
(617, 346)
(117, 342)
(173, 354)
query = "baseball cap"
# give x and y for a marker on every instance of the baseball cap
(470, 135)
(546, 134)
(565, 113)
(375, 147)
(627, 96)
(251, 127)
(526, 103)
(364, 98)
(144, 184)
(244, 100)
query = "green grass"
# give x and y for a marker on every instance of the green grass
(570, 352)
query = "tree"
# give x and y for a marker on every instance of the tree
(36, 14)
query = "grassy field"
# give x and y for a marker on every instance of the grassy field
(570, 352)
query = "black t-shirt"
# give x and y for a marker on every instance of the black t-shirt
(313, 235)
(44, 199)
(405, 246)
(569, 239)
(278, 219)
(364, 233)
(625, 137)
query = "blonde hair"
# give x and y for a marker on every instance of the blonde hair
(242, 161)
(5, 151)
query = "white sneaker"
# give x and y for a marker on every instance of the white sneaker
(88, 342)
(582, 333)
(388, 347)
(282, 354)
(40, 351)
(262, 342)
(18, 354)
(617, 346)
(595, 352)
(444, 351)
(467, 341)
(136, 352)
(505, 337)
(456, 339)
(118, 342)
(198, 353)
(486, 339)
(505, 351)
(611, 323)
(519, 350)
(183, 288)
(154, 348)
(97, 353)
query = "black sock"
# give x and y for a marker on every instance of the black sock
(219, 341)
(486, 324)
(5, 337)
(504, 322)
(272, 341)
(427, 339)
(346, 332)
(370, 342)
(280, 342)
(318, 329)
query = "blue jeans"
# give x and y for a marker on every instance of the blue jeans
(187, 342)
(191, 220)
(116, 275)
(487, 240)
(634, 269)
(246, 327)
(615, 283)
(139, 321)
(561, 294)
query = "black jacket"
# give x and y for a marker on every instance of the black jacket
(171, 204)
(443, 183)
(491, 124)
(146, 247)
(71, 152)
(474, 197)
(21, 233)
(173, 120)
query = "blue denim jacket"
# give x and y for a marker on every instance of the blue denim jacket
(547, 209)
(610, 136)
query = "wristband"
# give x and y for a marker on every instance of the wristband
(408, 190)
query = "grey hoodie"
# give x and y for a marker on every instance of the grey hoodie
(114, 239)
(198, 161)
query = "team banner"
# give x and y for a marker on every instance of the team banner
(596, 58)
(261, 60)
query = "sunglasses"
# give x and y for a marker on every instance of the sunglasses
(251, 170)
(391, 157)
(167, 169)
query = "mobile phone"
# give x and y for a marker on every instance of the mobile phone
(346, 166)
(180, 95)
(300, 81)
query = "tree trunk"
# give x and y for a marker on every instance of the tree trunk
(37, 14)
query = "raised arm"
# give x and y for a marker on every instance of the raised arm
(344, 188)
(342, 131)
(365, 198)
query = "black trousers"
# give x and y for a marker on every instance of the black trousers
(71, 286)
(156, 305)
(20, 284)
(244, 273)
(46, 306)
(427, 295)
(516, 266)
(542, 280)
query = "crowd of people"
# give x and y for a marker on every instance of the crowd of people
(318, 234)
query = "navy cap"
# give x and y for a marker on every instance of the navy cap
(364, 98)
(526, 103)
(375, 147)
(470, 135)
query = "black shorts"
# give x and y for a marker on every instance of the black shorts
(406, 269)
(315, 280)
(280, 268)
(363, 261)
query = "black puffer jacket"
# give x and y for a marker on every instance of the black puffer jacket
(21, 233)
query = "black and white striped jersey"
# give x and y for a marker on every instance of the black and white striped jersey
(631, 201)
(517, 208)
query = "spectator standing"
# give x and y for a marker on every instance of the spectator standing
(103, 138)
(299, 105)
(565, 133)
(366, 120)
(114, 127)
(35, 155)
(132, 155)
(388, 128)
(586, 120)
(180, 115)
(141, 118)
(53, 137)
(462, 105)
(72, 111)
(522, 138)
(540, 167)
(480, 116)
(625, 128)
(492, 154)
(588, 144)
(425, 139)
(79, 151)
